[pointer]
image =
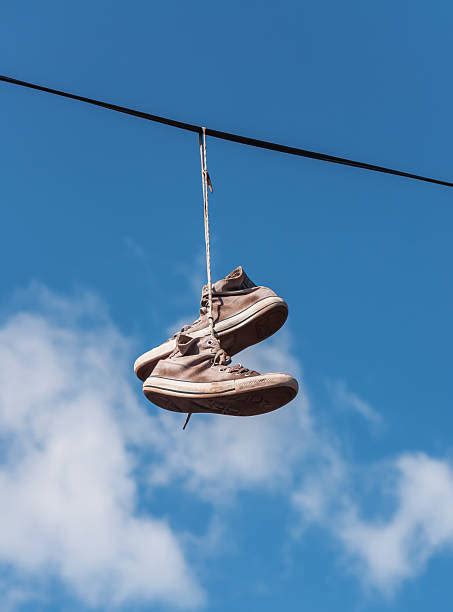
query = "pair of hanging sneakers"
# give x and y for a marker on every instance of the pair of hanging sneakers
(192, 371)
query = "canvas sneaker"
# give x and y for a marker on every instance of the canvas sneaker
(243, 312)
(199, 377)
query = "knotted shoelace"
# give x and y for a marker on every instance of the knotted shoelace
(221, 358)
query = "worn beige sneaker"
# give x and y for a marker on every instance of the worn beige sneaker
(244, 314)
(198, 377)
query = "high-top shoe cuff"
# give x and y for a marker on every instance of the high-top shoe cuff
(237, 279)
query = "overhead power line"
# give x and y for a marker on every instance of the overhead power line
(245, 140)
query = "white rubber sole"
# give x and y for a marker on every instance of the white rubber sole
(181, 388)
(242, 397)
(147, 361)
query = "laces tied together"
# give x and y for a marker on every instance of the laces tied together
(221, 358)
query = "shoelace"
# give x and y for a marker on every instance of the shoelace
(203, 310)
(221, 358)
(204, 307)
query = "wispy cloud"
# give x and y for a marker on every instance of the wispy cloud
(142, 258)
(386, 549)
(389, 550)
(348, 400)
(66, 485)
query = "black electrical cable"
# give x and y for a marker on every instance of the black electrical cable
(245, 140)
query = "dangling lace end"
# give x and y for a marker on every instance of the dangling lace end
(209, 182)
(187, 420)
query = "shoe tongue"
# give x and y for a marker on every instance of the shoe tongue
(189, 346)
(237, 279)
(185, 344)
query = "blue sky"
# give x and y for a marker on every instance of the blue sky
(346, 494)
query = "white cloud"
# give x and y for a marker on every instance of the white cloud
(382, 551)
(398, 547)
(345, 398)
(68, 497)
(320, 493)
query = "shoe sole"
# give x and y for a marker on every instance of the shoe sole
(252, 325)
(241, 397)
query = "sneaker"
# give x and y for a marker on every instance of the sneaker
(198, 377)
(244, 314)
